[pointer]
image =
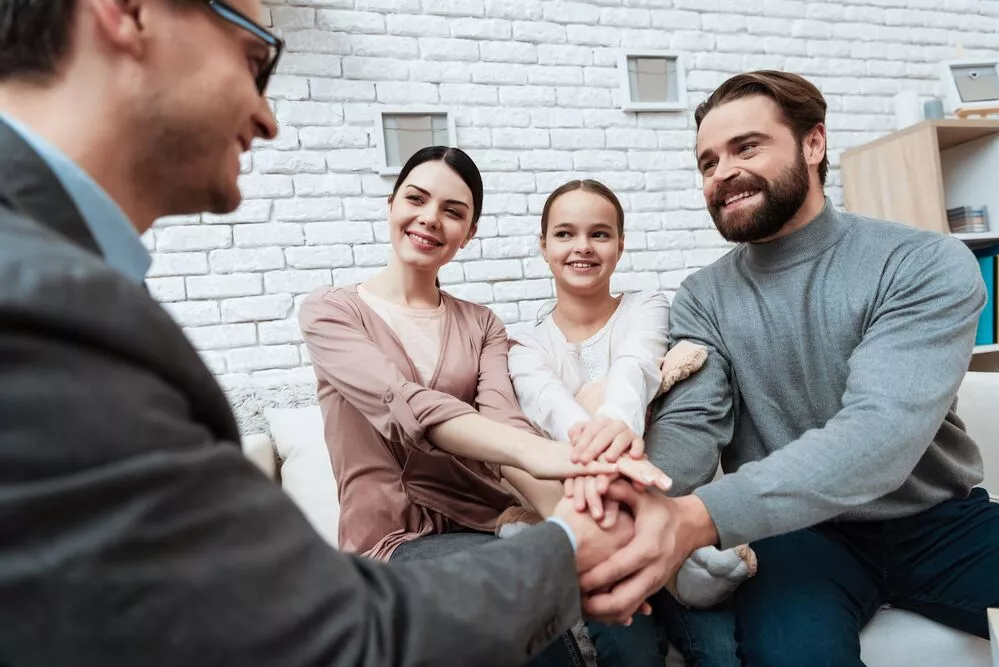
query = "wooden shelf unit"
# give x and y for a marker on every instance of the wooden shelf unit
(915, 174)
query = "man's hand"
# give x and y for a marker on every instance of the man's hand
(667, 530)
(594, 545)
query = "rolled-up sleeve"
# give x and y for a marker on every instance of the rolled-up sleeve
(344, 355)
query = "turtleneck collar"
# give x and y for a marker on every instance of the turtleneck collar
(803, 244)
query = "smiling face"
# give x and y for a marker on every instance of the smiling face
(582, 243)
(430, 217)
(201, 109)
(756, 177)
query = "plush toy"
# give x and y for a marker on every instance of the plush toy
(709, 575)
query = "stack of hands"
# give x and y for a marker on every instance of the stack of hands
(631, 538)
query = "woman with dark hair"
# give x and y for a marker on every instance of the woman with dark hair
(423, 428)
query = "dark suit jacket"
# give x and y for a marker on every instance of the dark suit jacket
(134, 532)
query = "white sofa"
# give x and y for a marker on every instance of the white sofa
(893, 639)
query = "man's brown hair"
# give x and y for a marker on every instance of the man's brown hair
(36, 36)
(799, 100)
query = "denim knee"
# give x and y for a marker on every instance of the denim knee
(794, 650)
(637, 645)
(705, 637)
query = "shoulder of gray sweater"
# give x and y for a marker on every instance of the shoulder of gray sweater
(870, 234)
(879, 228)
(897, 236)
(716, 270)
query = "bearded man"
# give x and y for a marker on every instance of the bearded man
(836, 346)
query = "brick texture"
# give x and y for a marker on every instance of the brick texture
(533, 86)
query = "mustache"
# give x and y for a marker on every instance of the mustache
(749, 182)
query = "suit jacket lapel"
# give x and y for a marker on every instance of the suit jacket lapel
(28, 186)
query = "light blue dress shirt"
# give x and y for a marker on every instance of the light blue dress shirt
(117, 239)
(564, 526)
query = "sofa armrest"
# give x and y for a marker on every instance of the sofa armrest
(994, 635)
(976, 406)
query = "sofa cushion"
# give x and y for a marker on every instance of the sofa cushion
(977, 402)
(899, 637)
(306, 473)
(260, 450)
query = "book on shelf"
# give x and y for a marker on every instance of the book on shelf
(968, 219)
(988, 322)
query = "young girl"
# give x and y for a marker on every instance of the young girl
(595, 359)
(589, 369)
(420, 417)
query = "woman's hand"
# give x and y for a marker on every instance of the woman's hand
(643, 473)
(552, 460)
(606, 438)
(546, 459)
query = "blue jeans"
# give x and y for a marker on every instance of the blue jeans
(705, 638)
(638, 645)
(817, 588)
(562, 652)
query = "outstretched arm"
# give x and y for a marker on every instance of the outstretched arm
(632, 382)
(497, 400)
(543, 396)
(344, 355)
(902, 379)
(142, 535)
(691, 424)
(634, 376)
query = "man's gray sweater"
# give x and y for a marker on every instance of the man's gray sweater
(835, 354)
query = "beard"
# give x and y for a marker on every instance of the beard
(782, 199)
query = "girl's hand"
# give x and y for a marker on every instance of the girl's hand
(587, 492)
(591, 396)
(606, 438)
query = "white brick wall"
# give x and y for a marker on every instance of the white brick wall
(534, 87)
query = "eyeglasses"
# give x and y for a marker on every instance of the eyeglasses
(274, 43)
